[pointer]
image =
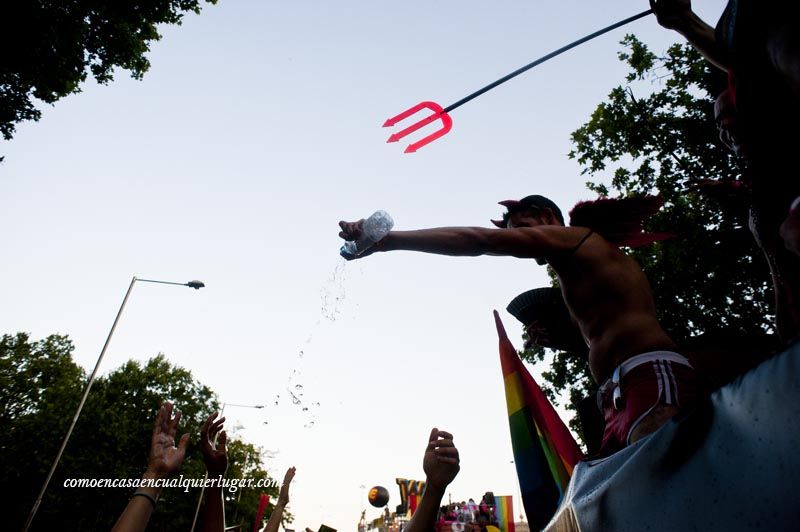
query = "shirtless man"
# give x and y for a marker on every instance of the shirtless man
(606, 292)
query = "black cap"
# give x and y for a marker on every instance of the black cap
(533, 202)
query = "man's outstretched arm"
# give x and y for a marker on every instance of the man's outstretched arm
(441, 465)
(524, 242)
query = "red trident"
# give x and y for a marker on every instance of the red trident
(440, 113)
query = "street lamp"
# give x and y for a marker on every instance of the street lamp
(203, 487)
(192, 284)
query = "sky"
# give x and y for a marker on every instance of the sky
(258, 128)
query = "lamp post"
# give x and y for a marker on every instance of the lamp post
(203, 487)
(192, 284)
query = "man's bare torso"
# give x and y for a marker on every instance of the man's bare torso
(610, 298)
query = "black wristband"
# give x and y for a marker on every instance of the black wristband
(147, 496)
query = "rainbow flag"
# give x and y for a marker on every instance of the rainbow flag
(504, 511)
(545, 452)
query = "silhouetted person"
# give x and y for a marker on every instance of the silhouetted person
(644, 381)
(441, 465)
(758, 44)
(164, 461)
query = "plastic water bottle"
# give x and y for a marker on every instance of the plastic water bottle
(375, 228)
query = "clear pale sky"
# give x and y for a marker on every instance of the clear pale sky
(256, 130)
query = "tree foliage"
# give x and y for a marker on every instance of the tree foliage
(49, 47)
(40, 388)
(655, 134)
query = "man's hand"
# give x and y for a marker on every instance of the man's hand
(352, 231)
(283, 498)
(165, 459)
(672, 14)
(214, 453)
(441, 459)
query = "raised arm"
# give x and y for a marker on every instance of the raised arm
(441, 465)
(523, 242)
(283, 499)
(678, 15)
(215, 456)
(165, 459)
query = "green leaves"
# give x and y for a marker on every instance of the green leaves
(640, 59)
(40, 387)
(54, 45)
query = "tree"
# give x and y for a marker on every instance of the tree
(48, 47)
(661, 139)
(40, 387)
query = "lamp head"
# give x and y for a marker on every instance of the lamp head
(197, 285)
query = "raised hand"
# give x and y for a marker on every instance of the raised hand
(283, 498)
(672, 14)
(165, 458)
(351, 230)
(287, 479)
(441, 462)
(215, 455)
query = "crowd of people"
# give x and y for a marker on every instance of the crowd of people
(470, 516)
(165, 460)
(644, 379)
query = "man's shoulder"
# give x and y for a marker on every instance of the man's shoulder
(572, 235)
